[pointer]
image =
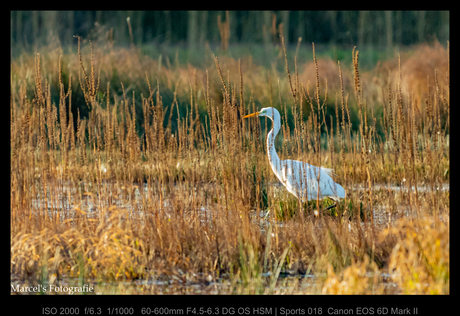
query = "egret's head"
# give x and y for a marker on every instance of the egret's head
(270, 112)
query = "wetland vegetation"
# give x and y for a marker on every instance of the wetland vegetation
(138, 174)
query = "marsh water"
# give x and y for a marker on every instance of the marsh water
(134, 197)
(191, 284)
(185, 282)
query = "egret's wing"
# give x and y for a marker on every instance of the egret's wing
(298, 176)
(301, 179)
(329, 172)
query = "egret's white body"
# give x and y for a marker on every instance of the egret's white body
(299, 178)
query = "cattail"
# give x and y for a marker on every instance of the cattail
(81, 136)
(145, 138)
(90, 88)
(25, 129)
(415, 132)
(33, 126)
(222, 78)
(256, 129)
(72, 139)
(316, 119)
(355, 55)
(42, 137)
(108, 134)
(293, 91)
(50, 122)
(341, 136)
(439, 97)
(331, 142)
(38, 82)
(384, 121)
(400, 120)
(361, 115)
(62, 114)
(14, 145)
(135, 139)
(447, 101)
(99, 139)
(241, 103)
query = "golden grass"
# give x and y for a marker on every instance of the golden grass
(143, 190)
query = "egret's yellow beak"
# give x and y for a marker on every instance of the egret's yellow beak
(251, 115)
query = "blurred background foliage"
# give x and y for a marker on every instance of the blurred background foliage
(169, 45)
(192, 29)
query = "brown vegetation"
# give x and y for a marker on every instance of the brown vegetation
(125, 194)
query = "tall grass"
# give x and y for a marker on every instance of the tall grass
(161, 179)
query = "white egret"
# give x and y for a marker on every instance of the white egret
(300, 178)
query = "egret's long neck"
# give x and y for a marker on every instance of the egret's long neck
(272, 155)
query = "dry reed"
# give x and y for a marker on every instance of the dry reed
(182, 191)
